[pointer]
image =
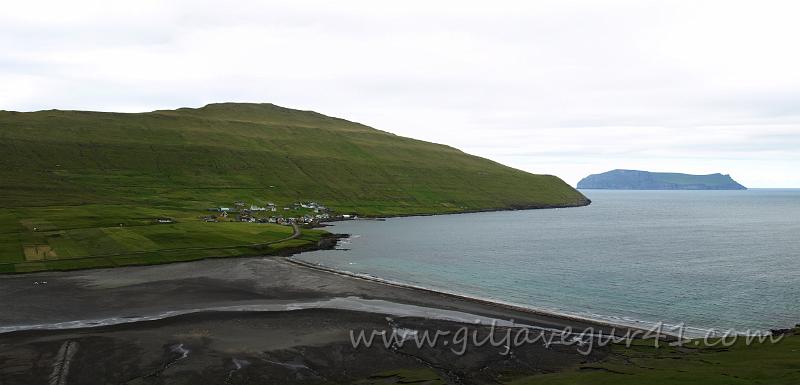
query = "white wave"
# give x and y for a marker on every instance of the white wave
(339, 303)
(613, 321)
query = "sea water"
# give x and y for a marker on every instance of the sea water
(706, 259)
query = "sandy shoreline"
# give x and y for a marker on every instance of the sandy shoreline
(276, 315)
(295, 347)
(231, 283)
(589, 322)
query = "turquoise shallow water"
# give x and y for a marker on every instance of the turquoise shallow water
(709, 259)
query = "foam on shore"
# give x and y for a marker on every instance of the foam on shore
(607, 321)
(357, 304)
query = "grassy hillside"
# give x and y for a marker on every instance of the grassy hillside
(70, 177)
(228, 151)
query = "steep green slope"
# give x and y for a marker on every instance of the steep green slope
(82, 189)
(238, 151)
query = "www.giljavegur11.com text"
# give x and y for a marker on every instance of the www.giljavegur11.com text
(505, 339)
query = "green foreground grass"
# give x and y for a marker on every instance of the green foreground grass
(642, 364)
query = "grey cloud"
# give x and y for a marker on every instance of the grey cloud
(573, 86)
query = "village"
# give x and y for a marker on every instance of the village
(301, 213)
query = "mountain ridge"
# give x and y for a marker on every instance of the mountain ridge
(232, 142)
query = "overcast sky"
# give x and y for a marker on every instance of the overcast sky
(559, 87)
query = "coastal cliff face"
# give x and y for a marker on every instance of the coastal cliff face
(645, 180)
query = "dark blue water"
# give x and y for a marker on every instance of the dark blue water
(709, 259)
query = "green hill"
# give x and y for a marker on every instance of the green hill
(69, 170)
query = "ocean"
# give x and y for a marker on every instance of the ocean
(705, 259)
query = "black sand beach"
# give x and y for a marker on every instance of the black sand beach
(291, 343)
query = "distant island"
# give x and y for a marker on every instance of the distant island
(645, 180)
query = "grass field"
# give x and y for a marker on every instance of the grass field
(83, 243)
(62, 237)
(642, 364)
(82, 185)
